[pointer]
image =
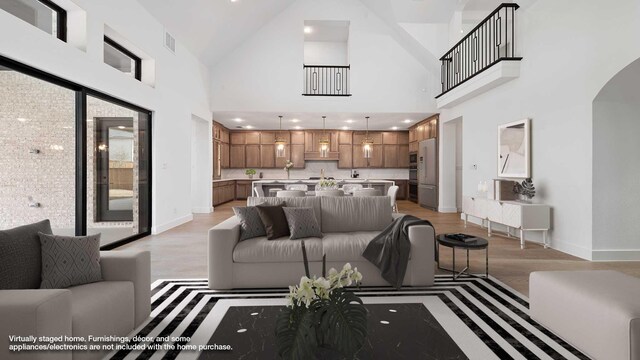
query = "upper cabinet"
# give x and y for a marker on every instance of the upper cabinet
(256, 149)
(425, 129)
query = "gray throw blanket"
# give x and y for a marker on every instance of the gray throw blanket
(389, 250)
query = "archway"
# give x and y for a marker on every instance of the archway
(616, 167)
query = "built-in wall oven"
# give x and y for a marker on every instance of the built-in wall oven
(413, 191)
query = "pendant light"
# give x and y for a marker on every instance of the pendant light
(367, 143)
(280, 142)
(324, 141)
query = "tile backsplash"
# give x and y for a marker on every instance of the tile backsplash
(313, 169)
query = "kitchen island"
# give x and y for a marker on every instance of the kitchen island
(381, 185)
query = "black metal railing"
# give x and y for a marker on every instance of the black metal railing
(326, 80)
(491, 41)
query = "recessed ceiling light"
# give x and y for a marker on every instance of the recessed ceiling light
(349, 121)
(297, 127)
(121, 127)
(407, 121)
(295, 120)
(238, 120)
(233, 0)
(248, 127)
(394, 128)
(345, 128)
(21, 119)
(308, 30)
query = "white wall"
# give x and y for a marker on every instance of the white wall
(326, 53)
(567, 60)
(201, 160)
(265, 72)
(616, 168)
(181, 88)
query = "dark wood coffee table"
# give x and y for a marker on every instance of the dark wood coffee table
(478, 244)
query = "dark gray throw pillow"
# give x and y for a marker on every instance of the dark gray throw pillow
(302, 223)
(70, 260)
(250, 223)
(20, 259)
(274, 221)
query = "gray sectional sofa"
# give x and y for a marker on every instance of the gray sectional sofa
(347, 224)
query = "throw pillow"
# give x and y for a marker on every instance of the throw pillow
(20, 259)
(69, 260)
(302, 223)
(274, 221)
(250, 224)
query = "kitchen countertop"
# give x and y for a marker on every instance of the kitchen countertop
(288, 181)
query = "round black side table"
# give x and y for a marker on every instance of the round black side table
(478, 244)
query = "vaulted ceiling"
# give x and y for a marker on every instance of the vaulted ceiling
(212, 28)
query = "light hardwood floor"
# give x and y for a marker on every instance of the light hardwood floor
(182, 252)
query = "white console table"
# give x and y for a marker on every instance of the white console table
(513, 214)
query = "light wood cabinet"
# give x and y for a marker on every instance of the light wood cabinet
(390, 156)
(252, 156)
(297, 156)
(243, 189)
(403, 156)
(252, 138)
(297, 137)
(345, 156)
(377, 159)
(237, 156)
(413, 147)
(238, 138)
(223, 191)
(345, 137)
(358, 156)
(390, 138)
(267, 156)
(217, 150)
(224, 155)
(403, 138)
(267, 137)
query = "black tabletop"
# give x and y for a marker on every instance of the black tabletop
(479, 243)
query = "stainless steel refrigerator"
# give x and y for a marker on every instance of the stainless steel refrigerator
(428, 174)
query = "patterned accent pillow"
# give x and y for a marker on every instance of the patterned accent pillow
(69, 260)
(302, 223)
(250, 224)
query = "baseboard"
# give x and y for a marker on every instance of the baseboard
(448, 210)
(202, 210)
(571, 249)
(171, 224)
(616, 255)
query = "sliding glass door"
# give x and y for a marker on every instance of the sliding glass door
(74, 156)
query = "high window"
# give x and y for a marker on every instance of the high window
(43, 14)
(122, 59)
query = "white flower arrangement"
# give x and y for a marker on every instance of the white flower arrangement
(288, 165)
(327, 183)
(320, 288)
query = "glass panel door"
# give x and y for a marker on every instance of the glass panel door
(117, 170)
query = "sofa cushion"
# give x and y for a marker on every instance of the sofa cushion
(302, 223)
(20, 256)
(102, 308)
(308, 201)
(347, 246)
(69, 260)
(348, 214)
(282, 250)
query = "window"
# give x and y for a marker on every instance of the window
(43, 14)
(122, 59)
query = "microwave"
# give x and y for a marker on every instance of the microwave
(413, 158)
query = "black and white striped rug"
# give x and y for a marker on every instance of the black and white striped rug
(485, 318)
